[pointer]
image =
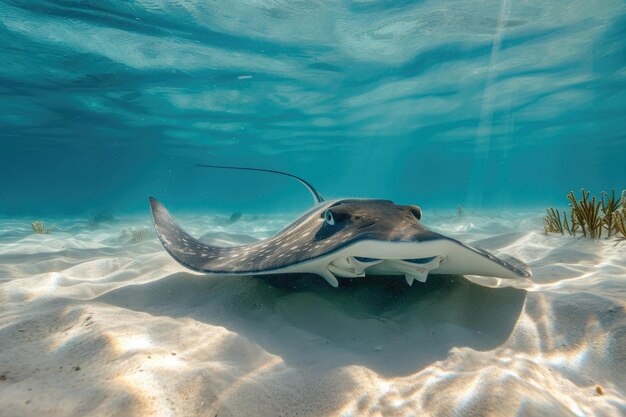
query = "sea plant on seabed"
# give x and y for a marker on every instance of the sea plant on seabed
(136, 235)
(552, 222)
(40, 228)
(590, 215)
(587, 213)
(610, 205)
(619, 217)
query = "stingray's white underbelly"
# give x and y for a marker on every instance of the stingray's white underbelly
(441, 256)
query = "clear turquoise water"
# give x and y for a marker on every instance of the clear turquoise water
(438, 103)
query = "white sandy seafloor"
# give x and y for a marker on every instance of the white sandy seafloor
(94, 324)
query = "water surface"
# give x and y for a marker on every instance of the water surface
(486, 104)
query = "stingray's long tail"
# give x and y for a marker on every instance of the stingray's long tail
(316, 195)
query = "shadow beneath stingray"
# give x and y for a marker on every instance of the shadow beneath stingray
(376, 322)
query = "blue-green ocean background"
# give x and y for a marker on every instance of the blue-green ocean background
(489, 104)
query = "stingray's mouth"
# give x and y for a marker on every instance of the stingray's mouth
(366, 260)
(374, 261)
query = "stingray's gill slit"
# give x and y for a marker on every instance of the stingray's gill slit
(339, 238)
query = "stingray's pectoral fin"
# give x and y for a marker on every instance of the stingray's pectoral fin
(184, 248)
(469, 260)
(518, 265)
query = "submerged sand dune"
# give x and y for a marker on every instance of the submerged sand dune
(94, 323)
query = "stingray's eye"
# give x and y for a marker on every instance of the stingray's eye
(416, 211)
(330, 219)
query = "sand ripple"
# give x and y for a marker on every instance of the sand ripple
(93, 324)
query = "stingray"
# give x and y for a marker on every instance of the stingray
(344, 238)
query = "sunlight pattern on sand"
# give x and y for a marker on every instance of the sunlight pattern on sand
(145, 337)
